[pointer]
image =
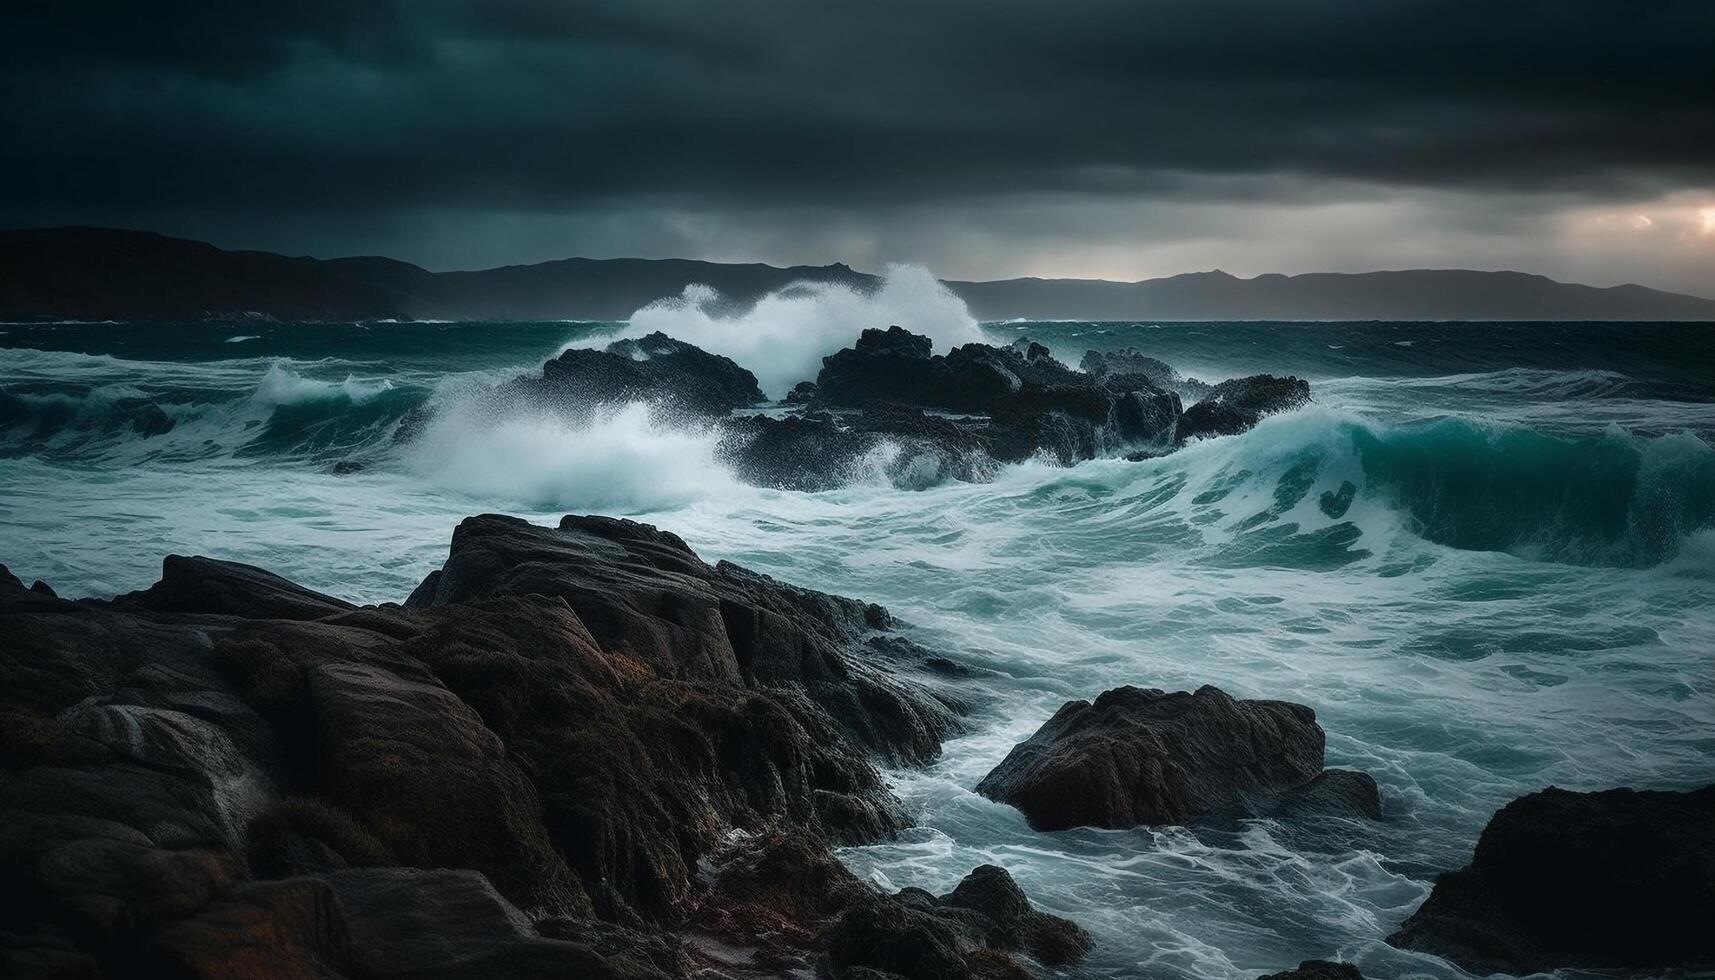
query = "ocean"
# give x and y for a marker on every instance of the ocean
(1485, 555)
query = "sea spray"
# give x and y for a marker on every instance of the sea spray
(785, 335)
(1459, 677)
(619, 459)
(282, 385)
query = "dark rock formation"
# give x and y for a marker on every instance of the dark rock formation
(1139, 756)
(883, 404)
(1318, 970)
(1146, 418)
(1119, 401)
(894, 365)
(655, 369)
(226, 588)
(1127, 360)
(1620, 879)
(575, 752)
(1339, 792)
(888, 407)
(1232, 407)
(917, 936)
(798, 452)
(819, 451)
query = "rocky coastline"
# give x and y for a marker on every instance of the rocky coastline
(584, 751)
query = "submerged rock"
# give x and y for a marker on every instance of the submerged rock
(1138, 756)
(1620, 879)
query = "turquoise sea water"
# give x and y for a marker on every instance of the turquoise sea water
(1485, 556)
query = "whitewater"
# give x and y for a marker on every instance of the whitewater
(1485, 555)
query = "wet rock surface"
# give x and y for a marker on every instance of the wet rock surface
(1139, 756)
(655, 368)
(1620, 879)
(1317, 970)
(1236, 406)
(889, 407)
(917, 936)
(576, 751)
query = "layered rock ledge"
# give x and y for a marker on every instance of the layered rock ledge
(577, 751)
(1139, 756)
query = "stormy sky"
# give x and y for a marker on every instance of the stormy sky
(985, 138)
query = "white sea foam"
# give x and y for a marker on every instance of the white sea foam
(1459, 678)
(621, 460)
(784, 337)
(283, 386)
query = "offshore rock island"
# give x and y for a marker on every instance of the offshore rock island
(888, 402)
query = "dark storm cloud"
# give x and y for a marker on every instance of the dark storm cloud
(433, 104)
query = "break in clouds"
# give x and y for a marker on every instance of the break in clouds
(1115, 139)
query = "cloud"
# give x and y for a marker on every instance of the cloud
(688, 117)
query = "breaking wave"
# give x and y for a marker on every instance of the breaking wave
(1317, 489)
(785, 335)
(621, 458)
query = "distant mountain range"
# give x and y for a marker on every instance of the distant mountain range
(110, 274)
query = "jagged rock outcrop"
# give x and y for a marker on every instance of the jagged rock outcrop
(882, 404)
(1235, 406)
(917, 936)
(521, 770)
(1128, 360)
(225, 588)
(655, 368)
(1139, 757)
(1620, 879)
(898, 366)
(821, 451)
(889, 407)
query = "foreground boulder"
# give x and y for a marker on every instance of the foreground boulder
(1619, 879)
(542, 765)
(1142, 757)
